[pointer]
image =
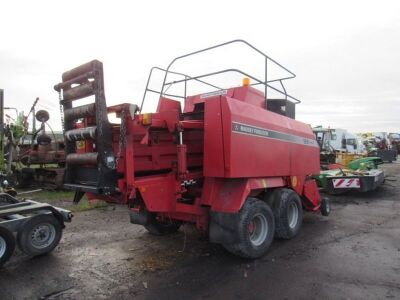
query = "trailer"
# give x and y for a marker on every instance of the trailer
(229, 159)
(341, 171)
(339, 181)
(36, 228)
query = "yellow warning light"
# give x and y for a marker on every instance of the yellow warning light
(146, 119)
(246, 81)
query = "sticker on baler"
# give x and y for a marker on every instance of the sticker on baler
(213, 94)
(272, 134)
(346, 183)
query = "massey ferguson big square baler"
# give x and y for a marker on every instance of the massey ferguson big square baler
(231, 161)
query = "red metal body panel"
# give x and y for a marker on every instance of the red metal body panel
(251, 155)
(214, 161)
(221, 150)
(311, 194)
(228, 195)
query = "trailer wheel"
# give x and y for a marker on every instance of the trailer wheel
(325, 207)
(256, 229)
(288, 214)
(7, 245)
(157, 227)
(39, 235)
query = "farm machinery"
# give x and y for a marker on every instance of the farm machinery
(41, 157)
(32, 157)
(35, 227)
(343, 171)
(231, 161)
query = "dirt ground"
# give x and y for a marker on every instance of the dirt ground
(352, 254)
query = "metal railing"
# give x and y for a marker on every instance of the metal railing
(200, 78)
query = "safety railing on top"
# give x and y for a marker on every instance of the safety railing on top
(166, 85)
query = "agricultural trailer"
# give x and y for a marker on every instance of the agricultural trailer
(230, 160)
(342, 172)
(361, 175)
(36, 228)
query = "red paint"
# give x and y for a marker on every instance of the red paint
(214, 168)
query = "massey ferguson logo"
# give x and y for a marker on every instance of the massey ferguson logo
(271, 134)
(249, 129)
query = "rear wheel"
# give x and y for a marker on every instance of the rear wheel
(7, 245)
(288, 213)
(255, 230)
(157, 227)
(39, 235)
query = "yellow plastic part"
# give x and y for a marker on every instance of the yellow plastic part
(146, 119)
(246, 81)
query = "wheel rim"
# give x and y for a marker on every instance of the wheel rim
(293, 214)
(258, 229)
(42, 235)
(3, 246)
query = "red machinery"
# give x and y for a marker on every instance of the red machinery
(231, 161)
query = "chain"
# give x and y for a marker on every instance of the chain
(122, 137)
(61, 109)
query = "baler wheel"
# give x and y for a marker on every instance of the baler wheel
(256, 229)
(157, 227)
(39, 235)
(288, 213)
(7, 245)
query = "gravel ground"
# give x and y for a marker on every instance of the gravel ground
(352, 254)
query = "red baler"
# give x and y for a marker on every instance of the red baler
(230, 161)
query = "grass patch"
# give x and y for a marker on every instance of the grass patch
(44, 195)
(85, 205)
(64, 199)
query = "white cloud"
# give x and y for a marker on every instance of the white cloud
(346, 54)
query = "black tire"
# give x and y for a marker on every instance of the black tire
(254, 237)
(156, 227)
(288, 213)
(7, 245)
(325, 207)
(39, 235)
